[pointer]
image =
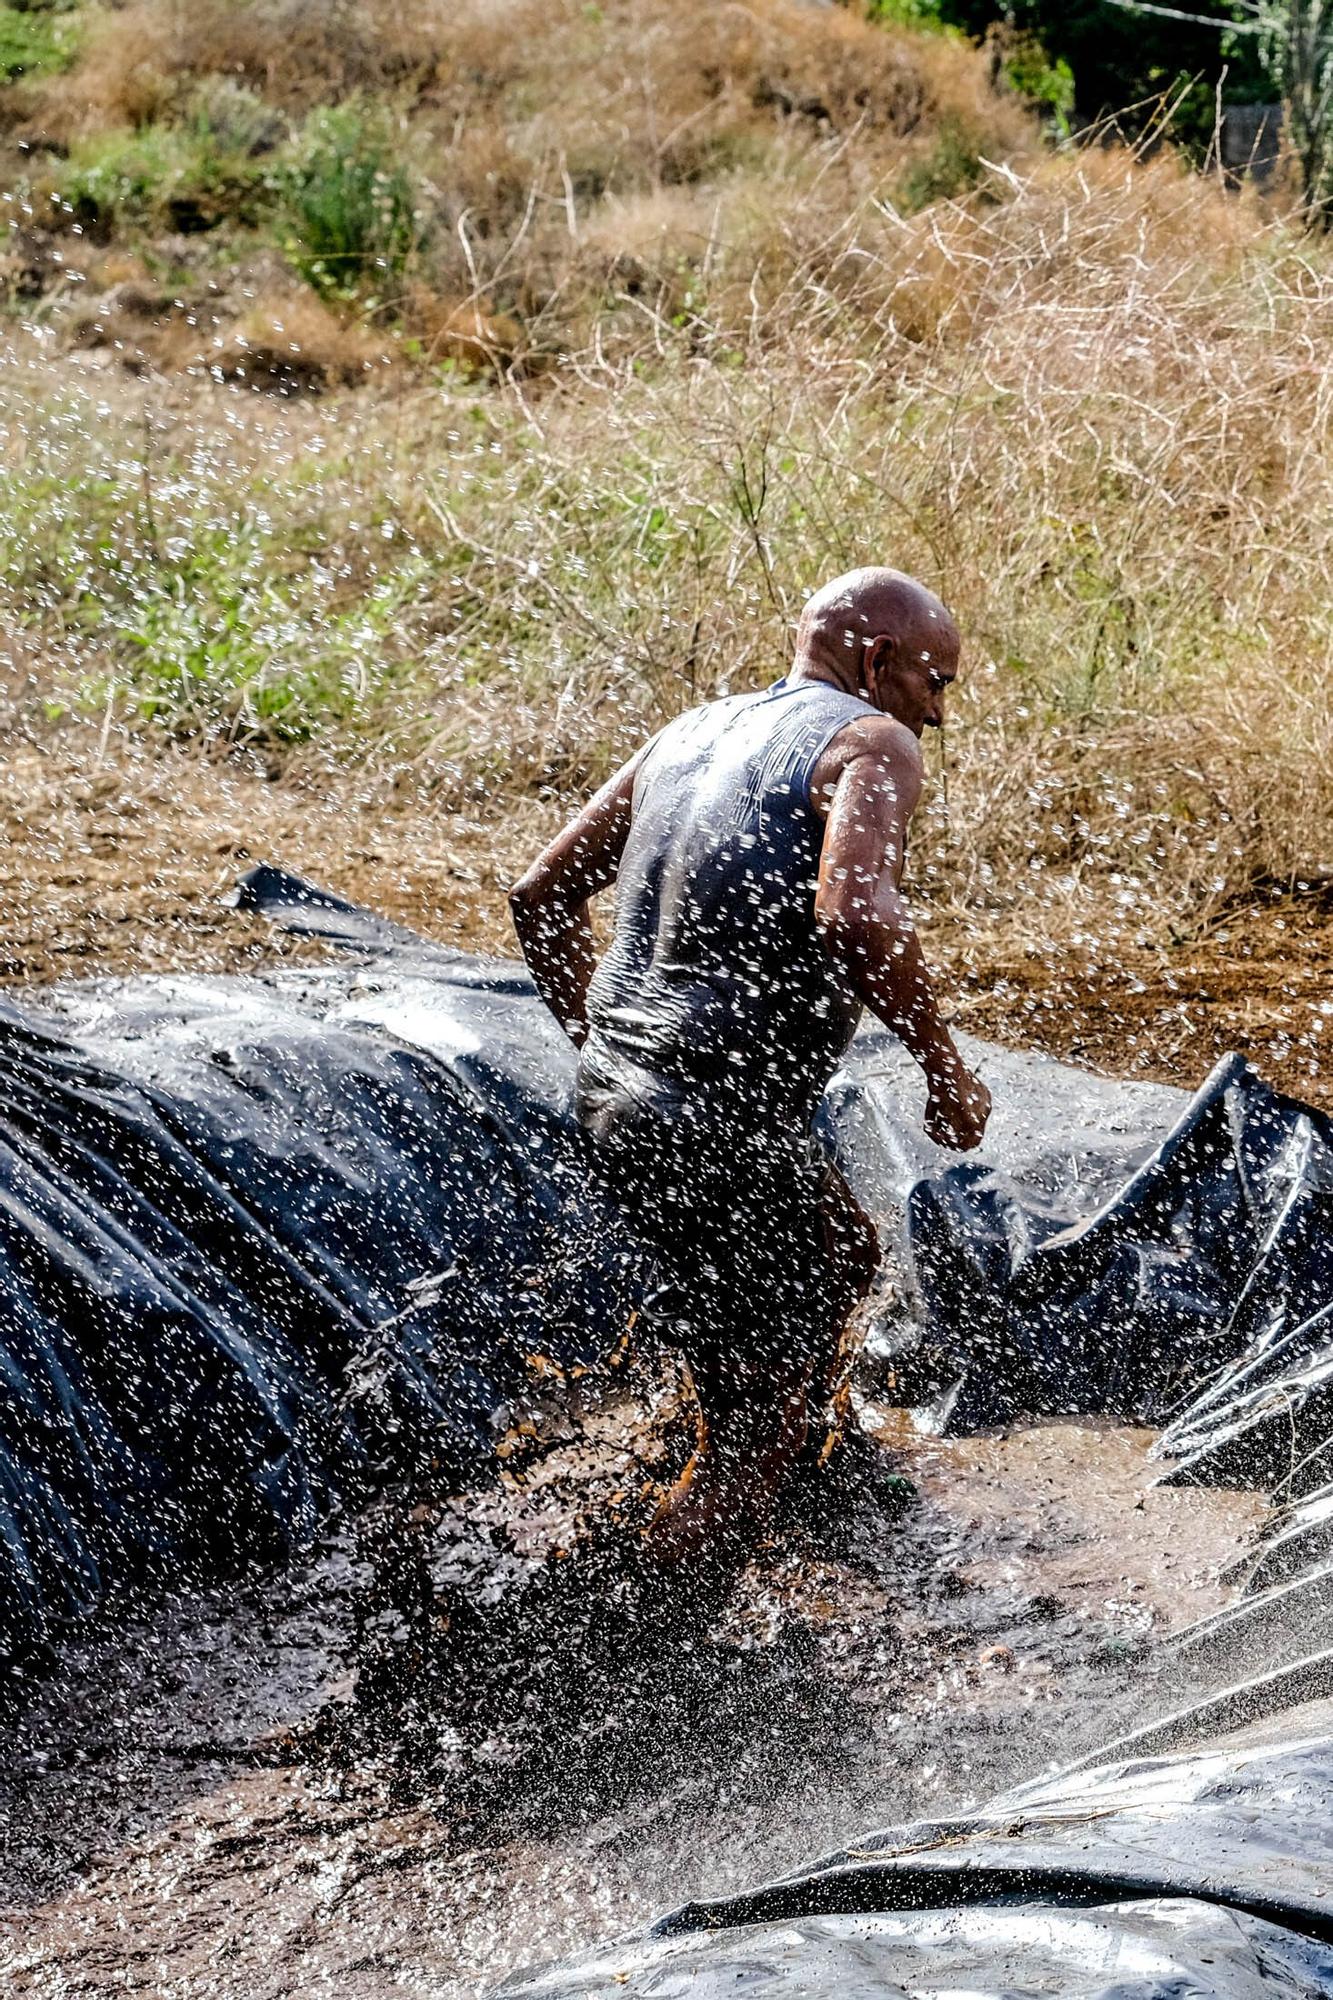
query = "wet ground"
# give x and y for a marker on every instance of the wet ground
(199, 1806)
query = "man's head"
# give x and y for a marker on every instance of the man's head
(884, 636)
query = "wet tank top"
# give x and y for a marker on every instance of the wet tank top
(715, 977)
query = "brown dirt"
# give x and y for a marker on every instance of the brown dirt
(1258, 979)
(119, 861)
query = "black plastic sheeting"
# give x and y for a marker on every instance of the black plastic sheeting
(1202, 1874)
(1212, 1264)
(1191, 1860)
(264, 1240)
(261, 1240)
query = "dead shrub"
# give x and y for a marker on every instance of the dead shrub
(471, 334)
(125, 75)
(645, 241)
(287, 344)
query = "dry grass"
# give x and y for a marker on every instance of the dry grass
(288, 342)
(1089, 405)
(1092, 410)
(540, 137)
(137, 61)
(1088, 401)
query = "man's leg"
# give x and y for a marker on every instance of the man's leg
(752, 1426)
(764, 1340)
(851, 1246)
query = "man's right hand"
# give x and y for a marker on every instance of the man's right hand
(957, 1107)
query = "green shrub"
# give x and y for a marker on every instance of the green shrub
(907, 13)
(232, 119)
(1046, 81)
(951, 167)
(32, 41)
(183, 175)
(215, 641)
(349, 206)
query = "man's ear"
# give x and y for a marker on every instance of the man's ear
(879, 653)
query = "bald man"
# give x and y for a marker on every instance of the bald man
(758, 844)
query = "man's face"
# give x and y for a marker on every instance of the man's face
(907, 677)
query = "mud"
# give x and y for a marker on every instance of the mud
(233, 1795)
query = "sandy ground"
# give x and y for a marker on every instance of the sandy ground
(161, 1842)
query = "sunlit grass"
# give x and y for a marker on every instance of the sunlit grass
(646, 399)
(1090, 410)
(202, 593)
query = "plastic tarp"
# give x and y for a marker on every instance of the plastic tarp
(1213, 1262)
(1208, 1873)
(261, 1239)
(264, 1239)
(1192, 1860)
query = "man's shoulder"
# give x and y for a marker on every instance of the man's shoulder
(874, 744)
(878, 736)
(704, 719)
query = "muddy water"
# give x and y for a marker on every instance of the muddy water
(161, 1839)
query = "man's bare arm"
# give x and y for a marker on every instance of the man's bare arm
(550, 902)
(866, 927)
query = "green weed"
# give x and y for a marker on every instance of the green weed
(201, 602)
(950, 168)
(34, 42)
(1045, 81)
(347, 202)
(214, 641)
(185, 176)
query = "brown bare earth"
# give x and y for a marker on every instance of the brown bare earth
(118, 859)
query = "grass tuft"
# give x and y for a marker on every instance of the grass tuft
(348, 202)
(36, 42)
(181, 177)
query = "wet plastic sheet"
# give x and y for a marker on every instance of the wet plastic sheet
(263, 1239)
(1209, 1873)
(1169, 1949)
(1210, 1268)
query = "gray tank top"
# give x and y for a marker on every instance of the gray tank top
(715, 977)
